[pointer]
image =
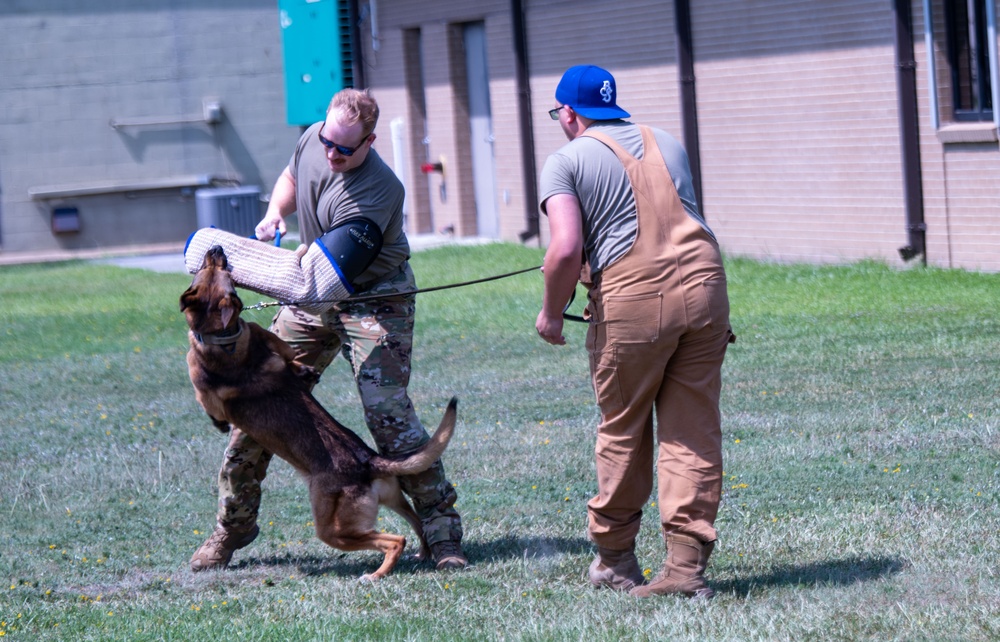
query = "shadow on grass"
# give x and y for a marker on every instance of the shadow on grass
(337, 563)
(511, 547)
(357, 564)
(850, 570)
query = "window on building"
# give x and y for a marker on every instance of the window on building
(969, 59)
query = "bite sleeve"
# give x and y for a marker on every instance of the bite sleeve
(314, 282)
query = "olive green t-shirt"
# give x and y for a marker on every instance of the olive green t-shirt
(324, 199)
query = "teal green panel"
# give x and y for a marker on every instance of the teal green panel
(317, 57)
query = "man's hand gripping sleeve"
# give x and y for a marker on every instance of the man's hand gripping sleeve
(314, 282)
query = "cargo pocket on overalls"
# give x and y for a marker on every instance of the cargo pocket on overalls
(604, 377)
(717, 298)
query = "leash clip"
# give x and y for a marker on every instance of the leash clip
(261, 305)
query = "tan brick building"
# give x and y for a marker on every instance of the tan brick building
(821, 131)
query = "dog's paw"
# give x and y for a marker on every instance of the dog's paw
(307, 374)
(368, 578)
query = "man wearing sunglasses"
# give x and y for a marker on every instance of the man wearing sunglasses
(336, 180)
(623, 219)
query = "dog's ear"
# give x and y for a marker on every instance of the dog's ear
(187, 298)
(227, 311)
(230, 306)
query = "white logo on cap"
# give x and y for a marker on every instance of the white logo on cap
(606, 91)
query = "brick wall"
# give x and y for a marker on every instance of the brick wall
(960, 179)
(800, 151)
(797, 115)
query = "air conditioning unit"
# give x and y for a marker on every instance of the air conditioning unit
(233, 209)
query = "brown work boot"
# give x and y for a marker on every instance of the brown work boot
(219, 548)
(618, 570)
(683, 571)
(448, 554)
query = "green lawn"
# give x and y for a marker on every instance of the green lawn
(862, 479)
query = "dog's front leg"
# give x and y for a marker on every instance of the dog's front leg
(221, 425)
(308, 374)
(275, 344)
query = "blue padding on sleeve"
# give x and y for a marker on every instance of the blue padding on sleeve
(333, 262)
(187, 243)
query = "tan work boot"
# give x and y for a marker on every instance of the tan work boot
(448, 555)
(683, 571)
(219, 548)
(618, 570)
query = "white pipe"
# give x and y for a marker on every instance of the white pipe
(373, 16)
(931, 64)
(397, 129)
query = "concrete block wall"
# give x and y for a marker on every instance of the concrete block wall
(73, 66)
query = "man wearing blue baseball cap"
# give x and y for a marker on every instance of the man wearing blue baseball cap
(624, 221)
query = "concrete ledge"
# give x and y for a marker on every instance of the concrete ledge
(172, 253)
(51, 192)
(53, 256)
(968, 133)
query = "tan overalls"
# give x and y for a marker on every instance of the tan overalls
(658, 335)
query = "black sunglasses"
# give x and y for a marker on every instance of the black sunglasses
(554, 113)
(343, 151)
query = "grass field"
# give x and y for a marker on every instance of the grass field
(862, 471)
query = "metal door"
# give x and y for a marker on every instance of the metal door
(481, 124)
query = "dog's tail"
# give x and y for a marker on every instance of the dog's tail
(424, 458)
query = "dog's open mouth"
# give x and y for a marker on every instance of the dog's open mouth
(216, 258)
(211, 305)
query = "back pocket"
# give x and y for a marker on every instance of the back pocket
(633, 318)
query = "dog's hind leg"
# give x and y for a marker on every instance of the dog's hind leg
(346, 521)
(392, 546)
(391, 496)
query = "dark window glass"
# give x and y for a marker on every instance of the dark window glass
(968, 56)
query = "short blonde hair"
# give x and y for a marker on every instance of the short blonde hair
(356, 105)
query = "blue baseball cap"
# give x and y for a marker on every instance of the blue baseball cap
(591, 92)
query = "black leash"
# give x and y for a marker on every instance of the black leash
(385, 295)
(573, 317)
(370, 297)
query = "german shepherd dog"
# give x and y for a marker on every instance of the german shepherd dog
(247, 378)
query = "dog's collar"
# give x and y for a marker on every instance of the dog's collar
(224, 338)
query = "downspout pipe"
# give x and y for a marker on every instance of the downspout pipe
(909, 134)
(528, 169)
(357, 60)
(689, 104)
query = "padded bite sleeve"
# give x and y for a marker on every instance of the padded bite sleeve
(314, 283)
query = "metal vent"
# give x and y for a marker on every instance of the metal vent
(233, 209)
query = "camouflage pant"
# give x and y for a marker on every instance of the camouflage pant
(376, 338)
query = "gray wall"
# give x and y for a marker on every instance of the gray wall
(71, 67)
